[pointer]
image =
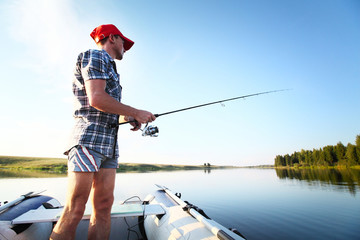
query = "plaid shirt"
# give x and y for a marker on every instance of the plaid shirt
(93, 127)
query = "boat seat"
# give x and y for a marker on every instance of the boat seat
(123, 210)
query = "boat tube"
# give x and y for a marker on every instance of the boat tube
(183, 221)
(20, 206)
(161, 216)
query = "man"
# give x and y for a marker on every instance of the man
(93, 152)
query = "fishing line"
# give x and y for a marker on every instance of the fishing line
(153, 130)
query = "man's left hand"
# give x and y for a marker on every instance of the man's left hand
(136, 125)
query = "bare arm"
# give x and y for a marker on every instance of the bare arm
(102, 101)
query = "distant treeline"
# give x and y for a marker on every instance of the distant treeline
(338, 155)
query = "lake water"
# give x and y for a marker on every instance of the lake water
(260, 203)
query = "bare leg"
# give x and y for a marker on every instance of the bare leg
(102, 196)
(78, 193)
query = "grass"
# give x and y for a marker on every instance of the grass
(59, 165)
(33, 163)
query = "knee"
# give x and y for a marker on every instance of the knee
(78, 212)
(75, 208)
(103, 204)
(71, 216)
(74, 213)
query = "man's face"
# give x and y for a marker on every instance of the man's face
(119, 46)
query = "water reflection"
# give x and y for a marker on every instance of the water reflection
(21, 173)
(207, 170)
(261, 203)
(349, 178)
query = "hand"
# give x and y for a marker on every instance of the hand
(136, 125)
(144, 116)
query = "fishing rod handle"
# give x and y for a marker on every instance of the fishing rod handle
(122, 123)
(156, 115)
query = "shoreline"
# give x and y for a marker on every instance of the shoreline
(59, 165)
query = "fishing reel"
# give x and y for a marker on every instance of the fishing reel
(150, 131)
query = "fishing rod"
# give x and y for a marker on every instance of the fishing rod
(153, 130)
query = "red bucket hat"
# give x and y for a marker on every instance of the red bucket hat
(105, 30)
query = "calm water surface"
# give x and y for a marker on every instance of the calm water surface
(260, 203)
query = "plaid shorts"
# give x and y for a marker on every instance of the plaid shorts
(82, 159)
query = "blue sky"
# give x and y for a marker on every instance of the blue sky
(188, 53)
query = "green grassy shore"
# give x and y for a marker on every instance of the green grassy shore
(59, 165)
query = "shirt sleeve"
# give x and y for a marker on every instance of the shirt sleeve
(94, 66)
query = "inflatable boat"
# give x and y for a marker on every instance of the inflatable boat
(163, 215)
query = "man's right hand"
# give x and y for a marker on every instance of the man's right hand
(144, 116)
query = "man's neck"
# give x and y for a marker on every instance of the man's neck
(109, 50)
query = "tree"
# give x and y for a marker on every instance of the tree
(308, 158)
(295, 158)
(340, 150)
(351, 155)
(287, 160)
(315, 157)
(302, 157)
(357, 141)
(322, 157)
(330, 156)
(279, 161)
(327, 156)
